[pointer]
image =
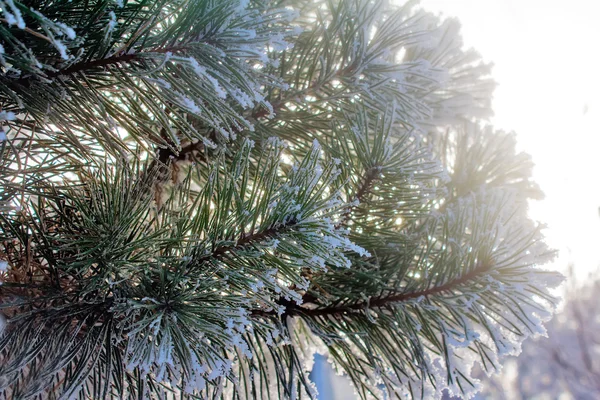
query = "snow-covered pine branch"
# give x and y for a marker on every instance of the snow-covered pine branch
(198, 195)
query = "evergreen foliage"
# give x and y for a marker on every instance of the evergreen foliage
(198, 194)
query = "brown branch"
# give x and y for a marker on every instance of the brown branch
(31, 31)
(165, 155)
(379, 302)
(101, 63)
(370, 177)
(220, 251)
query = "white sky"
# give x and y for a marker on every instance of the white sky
(547, 64)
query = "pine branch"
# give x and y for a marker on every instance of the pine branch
(249, 239)
(167, 288)
(365, 188)
(166, 155)
(381, 302)
(100, 63)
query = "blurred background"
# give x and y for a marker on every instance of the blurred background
(547, 66)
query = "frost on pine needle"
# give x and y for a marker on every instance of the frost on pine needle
(212, 192)
(12, 14)
(112, 23)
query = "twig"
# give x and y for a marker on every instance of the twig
(364, 189)
(34, 33)
(379, 302)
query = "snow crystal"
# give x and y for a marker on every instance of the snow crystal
(280, 310)
(10, 19)
(113, 21)
(62, 49)
(198, 69)
(278, 43)
(317, 261)
(297, 30)
(256, 286)
(218, 89)
(242, 98)
(68, 30)
(16, 18)
(190, 105)
(202, 73)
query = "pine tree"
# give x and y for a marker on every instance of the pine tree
(197, 195)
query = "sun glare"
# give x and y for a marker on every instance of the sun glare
(549, 94)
